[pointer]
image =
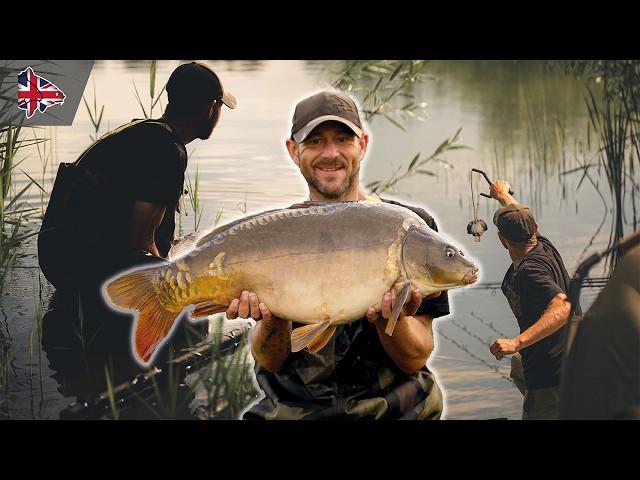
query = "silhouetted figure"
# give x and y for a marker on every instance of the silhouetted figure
(114, 208)
(602, 373)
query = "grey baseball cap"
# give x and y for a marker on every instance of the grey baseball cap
(515, 222)
(324, 107)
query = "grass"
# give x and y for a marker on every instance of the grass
(5, 369)
(384, 89)
(585, 163)
(94, 116)
(153, 99)
(112, 400)
(611, 125)
(194, 198)
(417, 166)
(13, 211)
(227, 379)
(612, 90)
(221, 381)
(36, 346)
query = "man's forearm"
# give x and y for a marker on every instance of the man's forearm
(271, 343)
(506, 199)
(411, 343)
(553, 318)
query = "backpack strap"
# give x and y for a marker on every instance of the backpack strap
(121, 128)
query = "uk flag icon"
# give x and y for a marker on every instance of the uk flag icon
(37, 93)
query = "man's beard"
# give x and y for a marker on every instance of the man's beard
(315, 184)
(205, 130)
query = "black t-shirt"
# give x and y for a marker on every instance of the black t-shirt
(142, 160)
(529, 288)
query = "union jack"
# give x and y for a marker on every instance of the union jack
(36, 92)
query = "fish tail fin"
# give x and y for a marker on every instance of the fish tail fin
(314, 336)
(135, 291)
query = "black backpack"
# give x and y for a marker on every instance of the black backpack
(54, 245)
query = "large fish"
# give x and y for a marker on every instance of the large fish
(319, 264)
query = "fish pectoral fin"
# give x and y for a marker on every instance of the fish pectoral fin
(402, 298)
(311, 335)
(206, 308)
(321, 340)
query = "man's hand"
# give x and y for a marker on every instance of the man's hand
(389, 299)
(500, 191)
(248, 306)
(270, 338)
(412, 341)
(504, 346)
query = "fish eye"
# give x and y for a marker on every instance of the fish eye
(450, 252)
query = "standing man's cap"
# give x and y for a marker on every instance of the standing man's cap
(515, 222)
(323, 107)
(195, 82)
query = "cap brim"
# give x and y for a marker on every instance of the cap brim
(229, 100)
(301, 134)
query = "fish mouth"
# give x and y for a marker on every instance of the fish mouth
(471, 276)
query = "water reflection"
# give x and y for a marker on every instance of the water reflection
(87, 345)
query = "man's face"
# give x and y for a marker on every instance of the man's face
(206, 126)
(329, 159)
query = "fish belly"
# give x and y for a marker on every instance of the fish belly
(312, 288)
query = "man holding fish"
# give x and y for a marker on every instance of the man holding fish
(315, 274)
(358, 371)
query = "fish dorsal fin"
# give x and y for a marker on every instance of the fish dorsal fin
(205, 238)
(309, 203)
(309, 335)
(395, 313)
(220, 230)
(184, 246)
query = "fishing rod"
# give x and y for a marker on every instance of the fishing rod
(593, 282)
(581, 275)
(143, 385)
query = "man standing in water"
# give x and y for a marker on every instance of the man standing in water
(114, 208)
(361, 372)
(536, 286)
